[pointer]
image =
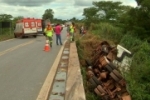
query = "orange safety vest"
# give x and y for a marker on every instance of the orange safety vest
(49, 31)
(49, 28)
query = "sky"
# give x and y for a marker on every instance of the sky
(63, 9)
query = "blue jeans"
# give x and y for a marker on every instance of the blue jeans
(58, 38)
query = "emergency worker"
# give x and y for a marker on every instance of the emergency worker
(49, 33)
(72, 31)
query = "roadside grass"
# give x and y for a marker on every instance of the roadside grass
(107, 32)
(84, 50)
(138, 75)
(6, 37)
(90, 95)
(6, 34)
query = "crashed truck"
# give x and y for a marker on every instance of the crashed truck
(103, 76)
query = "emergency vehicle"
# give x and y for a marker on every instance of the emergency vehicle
(39, 23)
(26, 27)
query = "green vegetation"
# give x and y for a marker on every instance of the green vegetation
(118, 24)
(6, 33)
(129, 28)
(107, 31)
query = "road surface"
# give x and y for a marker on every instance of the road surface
(24, 66)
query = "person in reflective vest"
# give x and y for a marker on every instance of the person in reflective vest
(49, 33)
(72, 31)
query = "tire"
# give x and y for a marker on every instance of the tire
(44, 33)
(34, 36)
(117, 74)
(88, 62)
(96, 80)
(114, 77)
(100, 88)
(112, 65)
(109, 68)
(106, 97)
(97, 92)
(93, 84)
(22, 36)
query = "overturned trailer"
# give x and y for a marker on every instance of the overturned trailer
(103, 76)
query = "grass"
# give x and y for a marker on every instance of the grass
(138, 76)
(85, 45)
(89, 94)
(6, 37)
(5, 34)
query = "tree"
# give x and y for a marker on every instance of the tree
(112, 10)
(74, 19)
(90, 15)
(137, 20)
(49, 14)
(107, 11)
(15, 19)
(56, 20)
(18, 18)
(5, 17)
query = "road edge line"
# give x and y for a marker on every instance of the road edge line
(44, 92)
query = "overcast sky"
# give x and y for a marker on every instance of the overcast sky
(63, 9)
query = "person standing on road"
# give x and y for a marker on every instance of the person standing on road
(58, 30)
(68, 31)
(49, 33)
(71, 31)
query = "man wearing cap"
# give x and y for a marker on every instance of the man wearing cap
(49, 33)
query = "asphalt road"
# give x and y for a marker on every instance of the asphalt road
(24, 66)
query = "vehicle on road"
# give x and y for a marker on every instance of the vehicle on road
(39, 26)
(26, 27)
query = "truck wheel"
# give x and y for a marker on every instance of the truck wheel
(114, 77)
(112, 65)
(109, 68)
(88, 63)
(34, 36)
(117, 74)
(97, 92)
(96, 80)
(100, 88)
(43, 33)
(106, 97)
(22, 36)
(93, 84)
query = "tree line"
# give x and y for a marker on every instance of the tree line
(135, 20)
(48, 14)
